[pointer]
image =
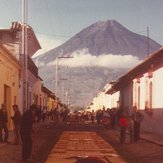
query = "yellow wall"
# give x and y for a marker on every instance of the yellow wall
(50, 103)
(9, 81)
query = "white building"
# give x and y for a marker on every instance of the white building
(142, 87)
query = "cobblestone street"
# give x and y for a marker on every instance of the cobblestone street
(75, 145)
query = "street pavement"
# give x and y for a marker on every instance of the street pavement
(79, 145)
(10, 153)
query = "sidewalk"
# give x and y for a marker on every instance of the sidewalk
(10, 153)
(150, 137)
(42, 139)
(153, 138)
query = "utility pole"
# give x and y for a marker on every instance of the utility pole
(24, 54)
(56, 82)
(67, 98)
(62, 93)
(56, 76)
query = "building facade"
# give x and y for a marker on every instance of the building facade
(12, 40)
(142, 87)
(10, 69)
(48, 99)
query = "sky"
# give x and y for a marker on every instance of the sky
(55, 21)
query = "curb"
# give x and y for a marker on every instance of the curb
(147, 139)
(152, 141)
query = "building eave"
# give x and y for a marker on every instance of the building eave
(151, 63)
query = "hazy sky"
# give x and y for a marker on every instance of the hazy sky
(55, 21)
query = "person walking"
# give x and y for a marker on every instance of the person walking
(44, 113)
(123, 123)
(138, 118)
(131, 128)
(3, 124)
(16, 120)
(106, 119)
(26, 131)
(92, 116)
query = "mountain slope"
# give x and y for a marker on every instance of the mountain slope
(100, 43)
(102, 37)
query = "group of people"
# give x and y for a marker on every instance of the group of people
(3, 124)
(107, 117)
(132, 123)
(113, 117)
(22, 128)
(23, 125)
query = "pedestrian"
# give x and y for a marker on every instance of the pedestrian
(131, 128)
(16, 120)
(27, 121)
(92, 116)
(3, 124)
(123, 123)
(98, 116)
(44, 113)
(138, 118)
(106, 118)
(113, 117)
(38, 114)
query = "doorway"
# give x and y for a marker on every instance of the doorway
(7, 102)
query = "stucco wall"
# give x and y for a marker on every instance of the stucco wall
(158, 89)
(153, 123)
(9, 83)
(153, 120)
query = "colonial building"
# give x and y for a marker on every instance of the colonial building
(12, 40)
(10, 69)
(107, 98)
(112, 97)
(142, 87)
(48, 98)
(34, 85)
(98, 102)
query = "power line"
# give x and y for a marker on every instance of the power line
(85, 38)
(56, 35)
(10, 9)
